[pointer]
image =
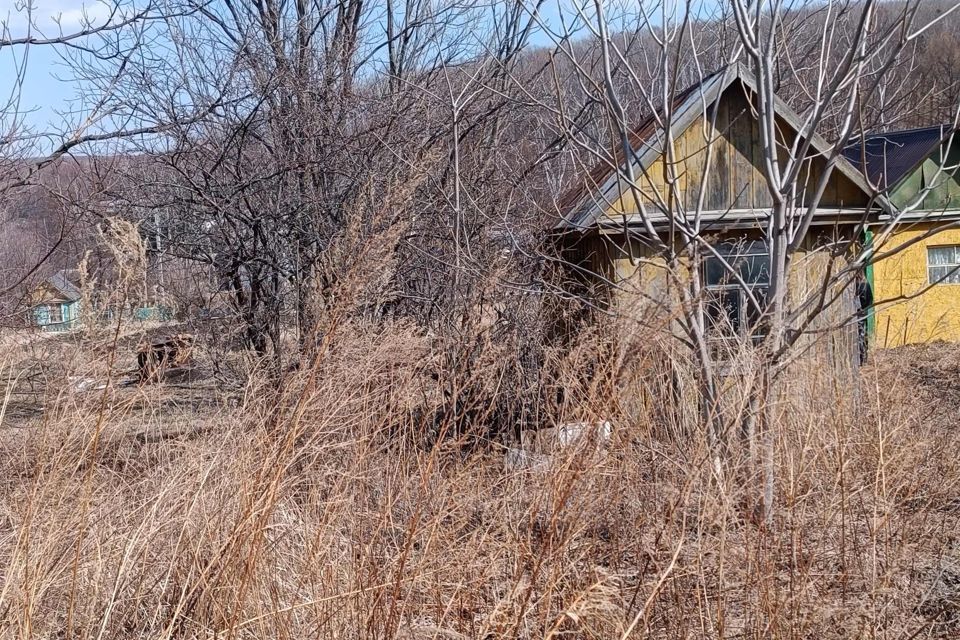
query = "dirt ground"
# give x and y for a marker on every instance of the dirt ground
(40, 370)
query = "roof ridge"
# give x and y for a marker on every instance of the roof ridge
(945, 126)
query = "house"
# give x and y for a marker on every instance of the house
(715, 160)
(918, 288)
(55, 304)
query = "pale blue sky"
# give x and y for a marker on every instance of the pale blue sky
(48, 92)
(44, 91)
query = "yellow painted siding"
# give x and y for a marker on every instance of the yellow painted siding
(647, 293)
(932, 315)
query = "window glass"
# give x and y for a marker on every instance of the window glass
(724, 309)
(715, 273)
(943, 265)
(748, 258)
(729, 310)
(754, 269)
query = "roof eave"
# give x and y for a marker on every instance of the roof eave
(589, 209)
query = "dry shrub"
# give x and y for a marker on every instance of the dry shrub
(298, 510)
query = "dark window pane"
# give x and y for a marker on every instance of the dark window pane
(756, 323)
(730, 313)
(751, 269)
(724, 311)
(715, 274)
(755, 269)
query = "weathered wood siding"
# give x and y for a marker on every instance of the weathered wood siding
(643, 292)
(733, 168)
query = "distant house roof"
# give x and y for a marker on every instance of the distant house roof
(581, 206)
(63, 286)
(887, 158)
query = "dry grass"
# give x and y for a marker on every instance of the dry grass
(311, 511)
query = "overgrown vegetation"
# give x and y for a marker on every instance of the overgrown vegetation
(315, 509)
(351, 208)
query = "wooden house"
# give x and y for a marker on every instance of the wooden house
(918, 289)
(55, 304)
(714, 138)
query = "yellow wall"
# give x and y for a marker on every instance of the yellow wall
(933, 315)
(645, 292)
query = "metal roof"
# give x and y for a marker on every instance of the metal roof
(887, 158)
(62, 284)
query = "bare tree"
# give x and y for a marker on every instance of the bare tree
(286, 147)
(337, 122)
(34, 160)
(831, 71)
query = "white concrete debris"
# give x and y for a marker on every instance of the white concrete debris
(87, 384)
(537, 447)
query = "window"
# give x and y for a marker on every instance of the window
(54, 314)
(730, 312)
(943, 265)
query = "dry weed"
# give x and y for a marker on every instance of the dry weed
(313, 510)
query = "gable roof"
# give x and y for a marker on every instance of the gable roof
(638, 137)
(888, 158)
(582, 206)
(62, 285)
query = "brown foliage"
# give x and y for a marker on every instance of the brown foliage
(314, 509)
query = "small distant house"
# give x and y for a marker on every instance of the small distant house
(918, 288)
(55, 304)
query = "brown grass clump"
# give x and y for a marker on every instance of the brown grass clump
(314, 509)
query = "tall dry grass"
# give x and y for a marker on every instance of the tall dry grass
(317, 510)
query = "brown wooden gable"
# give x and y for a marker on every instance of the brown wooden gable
(735, 179)
(717, 115)
(45, 293)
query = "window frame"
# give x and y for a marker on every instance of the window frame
(952, 274)
(738, 250)
(54, 313)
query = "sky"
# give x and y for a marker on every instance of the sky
(48, 92)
